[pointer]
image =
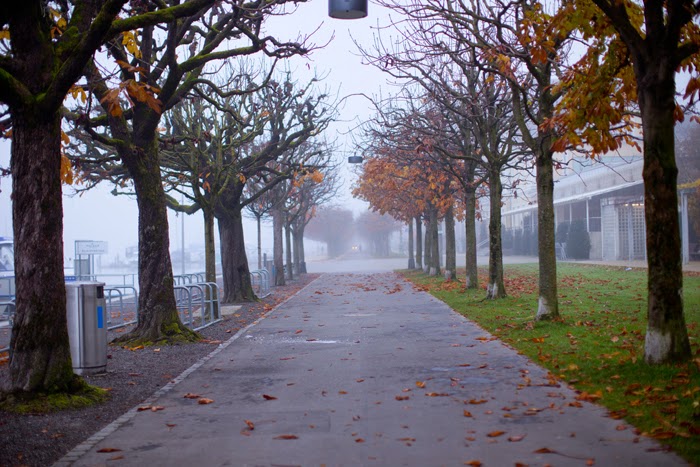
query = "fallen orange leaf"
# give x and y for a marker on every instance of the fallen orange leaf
(495, 434)
(189, 395)
(420, 384)
(402, 398)
(516, 438)
(477, 401)
(268, 397)
(204, 401)
(109, 450)
(473, 463)
(545, 451)
(250, 424)
(467, 413)
(286, 437)
(359, 440)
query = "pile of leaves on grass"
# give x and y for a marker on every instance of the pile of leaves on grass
(133, 375)
(598, 345)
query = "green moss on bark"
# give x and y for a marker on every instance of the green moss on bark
(78, 395)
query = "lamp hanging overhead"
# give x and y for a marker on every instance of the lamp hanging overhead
(355, 159)
(347, 9)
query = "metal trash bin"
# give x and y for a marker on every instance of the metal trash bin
(87, 326)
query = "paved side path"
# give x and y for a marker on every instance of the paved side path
(364, 370)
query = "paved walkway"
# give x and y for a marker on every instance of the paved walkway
(361, 369)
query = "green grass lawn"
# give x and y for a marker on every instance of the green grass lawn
(598, 347)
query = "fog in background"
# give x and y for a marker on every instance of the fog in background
(98, 215)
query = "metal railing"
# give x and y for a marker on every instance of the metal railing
(122, 303)
(260, 279)
(198, 304)
(191, 278)
(112, 280)
(7, 314)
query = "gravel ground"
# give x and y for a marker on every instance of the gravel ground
(132, 376)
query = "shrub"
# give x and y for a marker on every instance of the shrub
(562, 232)
(578, 245)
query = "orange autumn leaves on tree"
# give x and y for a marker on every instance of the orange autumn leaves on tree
(403, 189)
(599, 88)
(598, 110)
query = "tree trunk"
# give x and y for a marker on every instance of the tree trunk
(548, 305)
(234, 262)
(496, 287)
(40, 357)
(667, 335)
(209, 247)
(434, 243)
(411, 258)
(159, 320)
(278, 253)
(472, 281)
(450, 246)
(296, 254)
(427, 250)
(419, 243)
(300, 249)
(210, 261)
(288, 251)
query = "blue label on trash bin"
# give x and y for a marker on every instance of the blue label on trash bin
(100, 318)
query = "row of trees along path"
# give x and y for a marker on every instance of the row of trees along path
(559, 101)
(505, 79)
(132, 62)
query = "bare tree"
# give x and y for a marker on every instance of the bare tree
(172, 62)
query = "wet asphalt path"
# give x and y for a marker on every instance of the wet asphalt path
(361, 369)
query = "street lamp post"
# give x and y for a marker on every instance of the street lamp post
(347, 9)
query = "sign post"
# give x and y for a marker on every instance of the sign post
(90, 248)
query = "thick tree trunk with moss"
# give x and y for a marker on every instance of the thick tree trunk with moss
(496, 287)
(450, 246)
(548, 304)
(419, 243)
(472, 281)
(277, 249)
(667, 335)
(40, 357)
(234, 262)
(159, 320)
(411, 257)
